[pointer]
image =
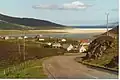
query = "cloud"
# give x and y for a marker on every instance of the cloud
(76, 5)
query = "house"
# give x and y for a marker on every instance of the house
(41, 39)
(82, 49)
(6, 37)
(49, 43)
(38, 36)
(68, 47)
(20, 37)
(63, 40)
(56, 45)
(84, 42)
(25, 37)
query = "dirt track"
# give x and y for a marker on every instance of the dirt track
(65, 67)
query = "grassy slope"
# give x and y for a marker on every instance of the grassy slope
(10, 56)
(8, 26)
(29, 69)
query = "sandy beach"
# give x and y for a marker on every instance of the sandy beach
(76, 30)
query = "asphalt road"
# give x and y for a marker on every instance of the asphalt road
(65, 67)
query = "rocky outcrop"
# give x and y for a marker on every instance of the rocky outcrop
(98, 46)
(103, 50)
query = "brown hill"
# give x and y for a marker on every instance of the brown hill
(31, 22)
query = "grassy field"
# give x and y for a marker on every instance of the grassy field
(12, 59)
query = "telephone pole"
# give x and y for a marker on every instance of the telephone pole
(107, 18)
(24, 51)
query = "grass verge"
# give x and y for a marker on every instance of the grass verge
(29, 69)
(95, 65)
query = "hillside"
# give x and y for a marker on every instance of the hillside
(30, 22)
(8, 26)
(103, 51)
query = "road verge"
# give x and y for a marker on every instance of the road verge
(98, 67)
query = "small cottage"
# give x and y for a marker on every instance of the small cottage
(70, 47)
(25, 37)
(49, 43)
(38, 36)
(20, 37)
(56, 45)
(6, 37)
(82, 49)
(63, 40)
(41, 39)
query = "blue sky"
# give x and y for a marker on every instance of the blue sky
(66, 12)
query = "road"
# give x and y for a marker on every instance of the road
(65, 67)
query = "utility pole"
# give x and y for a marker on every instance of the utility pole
(107, 18)
(24, 52)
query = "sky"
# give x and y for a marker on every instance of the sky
(65, 12)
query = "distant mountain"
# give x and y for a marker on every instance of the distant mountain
(29, 22)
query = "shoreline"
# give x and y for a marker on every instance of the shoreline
(57, 31)
(76, 30)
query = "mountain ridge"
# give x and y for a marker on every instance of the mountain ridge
(31, 22)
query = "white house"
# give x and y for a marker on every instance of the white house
(41, 39)
(20, 38)
(6, 37)
(70, 47)
(25, 37)
(63, 40)
(82, 49)
(56, 45)
(49, 43)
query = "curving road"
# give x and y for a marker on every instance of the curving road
(65, 67)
